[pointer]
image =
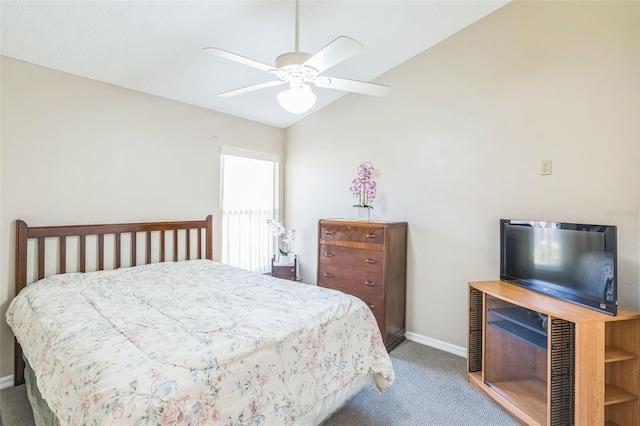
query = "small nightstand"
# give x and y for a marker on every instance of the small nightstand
(287, 272)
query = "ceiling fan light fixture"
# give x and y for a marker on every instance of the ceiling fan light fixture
(297, 99)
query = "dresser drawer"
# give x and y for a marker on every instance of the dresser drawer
(366, 260)
(284, 271)
(356, 234)
(347, 280)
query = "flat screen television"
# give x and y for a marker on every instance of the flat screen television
(569, 261)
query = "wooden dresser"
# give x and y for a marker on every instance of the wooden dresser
(367, 260)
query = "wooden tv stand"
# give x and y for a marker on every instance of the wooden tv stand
(550, 362)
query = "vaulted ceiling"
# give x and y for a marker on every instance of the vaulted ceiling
(155, 47)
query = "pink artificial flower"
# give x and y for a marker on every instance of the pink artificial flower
(363, 187)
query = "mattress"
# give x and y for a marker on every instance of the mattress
(194, 342)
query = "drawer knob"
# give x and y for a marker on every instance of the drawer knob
(370, 260)
(369, 283)
(328, 274)
(371, 235)
(328, 254)
(371, 306)
(329, 231)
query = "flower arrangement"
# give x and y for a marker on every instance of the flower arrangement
(277, 229)
(363, 187)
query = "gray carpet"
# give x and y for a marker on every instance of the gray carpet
(14, 407)
(430, 389)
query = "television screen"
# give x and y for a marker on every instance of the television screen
(569, 261)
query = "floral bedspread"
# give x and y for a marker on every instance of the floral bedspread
(192, 343)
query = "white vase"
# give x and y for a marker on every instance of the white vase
(363, 213)
(284, 259)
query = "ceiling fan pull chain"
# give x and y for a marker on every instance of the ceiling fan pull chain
(297, 25)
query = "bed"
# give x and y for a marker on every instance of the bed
(179, 339)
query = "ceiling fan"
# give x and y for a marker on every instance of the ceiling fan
(300, 69)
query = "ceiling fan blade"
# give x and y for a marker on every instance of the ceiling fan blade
(333, 53)
(355, 86)
(241, 59)
(251, 88)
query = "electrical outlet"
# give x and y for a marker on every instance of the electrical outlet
(545, 167)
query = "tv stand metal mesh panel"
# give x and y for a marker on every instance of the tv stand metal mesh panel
(475, 330)
(562, 372)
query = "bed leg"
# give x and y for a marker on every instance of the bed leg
(18, 375)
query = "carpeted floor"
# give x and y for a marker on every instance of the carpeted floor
(14, 407)
(430, 389)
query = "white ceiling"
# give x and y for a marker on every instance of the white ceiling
(155, 47)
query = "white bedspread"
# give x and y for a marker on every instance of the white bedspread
(192, 343)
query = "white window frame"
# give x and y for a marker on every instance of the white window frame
(263, 265)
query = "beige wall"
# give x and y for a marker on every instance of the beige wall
(77, 151)
(457, 146)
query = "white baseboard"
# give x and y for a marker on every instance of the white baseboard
(438, 344)
(6, 382)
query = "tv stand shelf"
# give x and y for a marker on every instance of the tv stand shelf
(515, 339)
(615, 395)
(522, 333)
(522, 324)
(614, 354)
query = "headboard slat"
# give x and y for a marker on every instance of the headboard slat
(40, 258)
(62, 241)
(100, 252)
(134, 249)
(188, 244)
(83, 253)
(175, 245)
(118, 252)
(148, 237)
(162, 246)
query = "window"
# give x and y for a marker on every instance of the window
(249, 197)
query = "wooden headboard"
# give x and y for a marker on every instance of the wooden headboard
(25, 233)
